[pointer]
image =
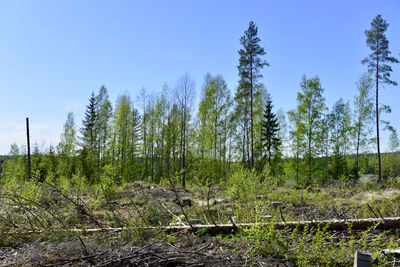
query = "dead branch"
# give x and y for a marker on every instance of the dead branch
(170, 212)
(178, 200)
(208, 206)
(83, 208)
(135, 206)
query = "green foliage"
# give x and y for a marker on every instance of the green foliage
(270, 130)
(201, 232)
(380, 54)
(213, 116)
(64, 182)
(363, 115)
(313, 246)
(88, 130)
(250, 64)
(107, 181)
(378, 64)
(340, 127)
(244, 184)
(266, 240)
(308, 117)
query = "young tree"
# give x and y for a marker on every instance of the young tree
(161, 114)
(68, 137)
(67, 147)
(241, 118)
(326, 144)
(310, 108)
(171, 140)
(213, 113)
(144, 125)
(378, 64)
(340, 126)
(250, 64)
(394, 143)
(281, 115)
(126, 123)
(270, 131)
(103, 125)
(133, 148)
(184, 96)
(298, 145)
(363, 114)
(394, 149)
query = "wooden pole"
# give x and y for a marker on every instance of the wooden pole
(29, 149)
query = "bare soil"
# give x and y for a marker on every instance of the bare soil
(183, 251)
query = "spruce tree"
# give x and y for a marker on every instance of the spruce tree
(88, 130)
(270, 129)
(377, 64)
(250, 64)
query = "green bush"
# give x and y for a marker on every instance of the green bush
(243, 184)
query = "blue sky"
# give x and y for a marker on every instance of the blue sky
(53, 54)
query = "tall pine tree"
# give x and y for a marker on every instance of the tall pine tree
(250, 64)
(377, 64)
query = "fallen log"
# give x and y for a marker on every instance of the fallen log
(330, 225)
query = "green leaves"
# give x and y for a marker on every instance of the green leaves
(308, 118)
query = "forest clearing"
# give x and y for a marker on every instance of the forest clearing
(50, 226)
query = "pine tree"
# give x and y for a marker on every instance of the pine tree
(250, 64)
(270, 130)
(377, 64)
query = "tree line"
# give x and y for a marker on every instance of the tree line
(161, 136)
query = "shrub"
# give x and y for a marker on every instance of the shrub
(244, 184)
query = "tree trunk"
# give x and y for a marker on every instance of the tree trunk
(248, 150)
(29, 150)
(309, 157)
(183, 146)
(251, 116)
(358, 145)
(377, 122)
(162, 151)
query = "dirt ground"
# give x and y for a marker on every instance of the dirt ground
(182, 251)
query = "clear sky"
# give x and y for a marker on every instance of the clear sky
(53, 54)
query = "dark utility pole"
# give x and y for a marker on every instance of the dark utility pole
(29, 150)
